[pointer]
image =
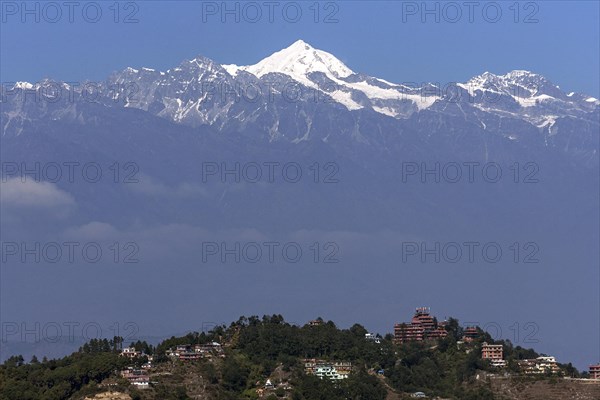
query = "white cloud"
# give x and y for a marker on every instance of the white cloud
(30, 193)
(93, 231)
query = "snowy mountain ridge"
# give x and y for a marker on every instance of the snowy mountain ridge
(299, 85)
(319, 70)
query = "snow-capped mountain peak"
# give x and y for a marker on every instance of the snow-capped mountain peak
(517, 83)
(297, 61)
(301, 62)
(520, 73)
(515, 77)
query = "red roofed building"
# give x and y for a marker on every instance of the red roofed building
(423, 318)
(408, 333)
(437, 333)
(423, 326)
(494, 353)
(470, 334)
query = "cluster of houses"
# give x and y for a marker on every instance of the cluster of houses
(334, 371)
(186, 352)
(131, 353)
(540, 365)
(424, 327)
(137, 377)
(534, 366)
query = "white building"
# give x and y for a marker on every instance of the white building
(142, 384)
(498, 363)
(130, 352)
(540, 365)
(547, 364)
(372, 337)
(329, 372)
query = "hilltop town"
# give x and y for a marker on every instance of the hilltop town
(268, 358)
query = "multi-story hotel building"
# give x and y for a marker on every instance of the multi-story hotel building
(422, 327)
(494, 353)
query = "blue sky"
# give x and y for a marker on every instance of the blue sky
(383, 39)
